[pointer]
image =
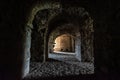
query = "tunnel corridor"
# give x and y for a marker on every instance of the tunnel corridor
(70, 29)
(29, 49)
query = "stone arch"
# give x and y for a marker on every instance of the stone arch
(41, 5)
(67, 28)
(85, 22)
(40, 26)
(27, 30)
(52, 5)
(56, 34)
(53, 9)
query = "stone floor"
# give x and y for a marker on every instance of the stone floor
(59, 65)
(69, 58)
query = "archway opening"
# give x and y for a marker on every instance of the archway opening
(67, 26)
(64, 43)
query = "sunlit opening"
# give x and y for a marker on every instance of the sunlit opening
(64, 43)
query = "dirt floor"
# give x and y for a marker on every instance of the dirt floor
(58, 67)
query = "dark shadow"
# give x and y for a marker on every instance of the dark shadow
(71, 77)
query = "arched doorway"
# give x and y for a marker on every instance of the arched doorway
(66, 16)
(63, 43)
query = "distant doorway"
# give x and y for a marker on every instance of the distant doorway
(64, 43)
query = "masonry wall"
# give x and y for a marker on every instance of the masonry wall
(106, 41)
(37, 46)
(78, 48)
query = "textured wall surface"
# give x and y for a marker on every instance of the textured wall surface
(78, 48)
(14, 17)
(27, 46)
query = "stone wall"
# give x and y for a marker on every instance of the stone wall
(78, 48)
(14, 16)
(26, 51)
(37, 46)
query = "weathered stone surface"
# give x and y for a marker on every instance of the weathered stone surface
(69, 66)
(15, 15)
(37, 45)
(27, 54)
(78, 48)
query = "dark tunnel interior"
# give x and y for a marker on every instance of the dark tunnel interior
(59, 39)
